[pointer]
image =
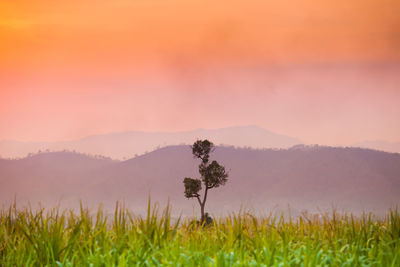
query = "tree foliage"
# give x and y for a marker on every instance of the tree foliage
(213, 175)
(192, 187)
(202, 149)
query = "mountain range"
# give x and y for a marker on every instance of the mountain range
(393, 147)
(303, 178)
(127, 144)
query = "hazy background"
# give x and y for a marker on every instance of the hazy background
(311, 178)
(122, 77)
(324, 72)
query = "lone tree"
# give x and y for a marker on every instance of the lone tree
(212, 174)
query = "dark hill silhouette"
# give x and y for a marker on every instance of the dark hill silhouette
(350, 179)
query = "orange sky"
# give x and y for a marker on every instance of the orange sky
(323, 71)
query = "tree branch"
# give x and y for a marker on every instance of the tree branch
(198, 198)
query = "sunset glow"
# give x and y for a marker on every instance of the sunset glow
(325, 72)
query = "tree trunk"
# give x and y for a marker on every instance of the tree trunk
(203, 204)
(202, 213)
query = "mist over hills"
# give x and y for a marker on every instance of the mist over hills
(306, 178)
(393, 147)
(126, 144)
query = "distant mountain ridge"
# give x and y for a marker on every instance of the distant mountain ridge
(393, 147)
(349, 179)
(127, 144)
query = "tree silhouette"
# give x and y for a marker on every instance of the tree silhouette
(212, 174)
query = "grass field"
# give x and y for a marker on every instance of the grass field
(58, 238)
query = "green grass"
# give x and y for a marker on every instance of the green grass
(58, 238)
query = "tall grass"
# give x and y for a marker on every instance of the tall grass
(65, 238)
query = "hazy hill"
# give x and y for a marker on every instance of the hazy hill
(393, 147)
(49, 177)
(304, 177)
(127, 144)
